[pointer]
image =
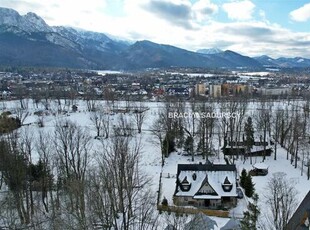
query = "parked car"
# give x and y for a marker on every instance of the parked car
(259, 169)
(258, 172)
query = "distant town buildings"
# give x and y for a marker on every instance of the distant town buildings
(153, 84)
(200, 89)
(215, 91)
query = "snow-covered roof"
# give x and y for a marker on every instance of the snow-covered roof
(232, 224)
(209, 197)
(200, 221)
(215, 177)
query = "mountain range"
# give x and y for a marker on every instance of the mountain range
(27, 40)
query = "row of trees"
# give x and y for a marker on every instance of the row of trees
(284, 124)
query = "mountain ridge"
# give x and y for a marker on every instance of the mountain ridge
(29, 40)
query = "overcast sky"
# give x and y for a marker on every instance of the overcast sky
(251, 27)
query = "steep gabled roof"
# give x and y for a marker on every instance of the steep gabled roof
(297, 220)
(214, 175)
(202, 184)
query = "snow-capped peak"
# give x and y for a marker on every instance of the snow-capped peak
(210, 51)
(36, 22)
(28, 23)
(9, 16)
(300, 60)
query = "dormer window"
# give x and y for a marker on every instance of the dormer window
(185, 185)
(227, 185)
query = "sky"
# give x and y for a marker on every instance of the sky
(250, 27)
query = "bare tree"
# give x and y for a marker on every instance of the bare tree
(123, 126)
(276, 128)
(8, 215)
(285, 126)
(206, 129)
(263, 119)
(298, 124)
(158, 131)
(124, 192)
(95, 117)
(175, 221)
(105, 119)
(26, 143)
(45, 150)
(90, 98)
(73, 149)
(101, 198)
(139, 115)
(46, 101)
(229, 123)
(22, 112)
(239, 117)
(281, 200)
(109, 96)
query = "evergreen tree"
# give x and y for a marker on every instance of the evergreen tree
(242, 177)
(249, 132)
(168, 144)
(250, 217)
(8, 124)
(248, 186)
(189, 144)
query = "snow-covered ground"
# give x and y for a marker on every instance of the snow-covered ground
(151, 158)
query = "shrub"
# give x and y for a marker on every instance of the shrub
(164, 202)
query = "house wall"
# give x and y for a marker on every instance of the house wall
(189, 201)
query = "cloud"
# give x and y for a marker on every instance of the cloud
(254, 31)
(182, 13)
(59, 12)
(240, 10)
(301, 14)
(257, 38)
(176, 13)
(203, 10)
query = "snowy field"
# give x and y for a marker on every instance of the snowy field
(151, 158)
